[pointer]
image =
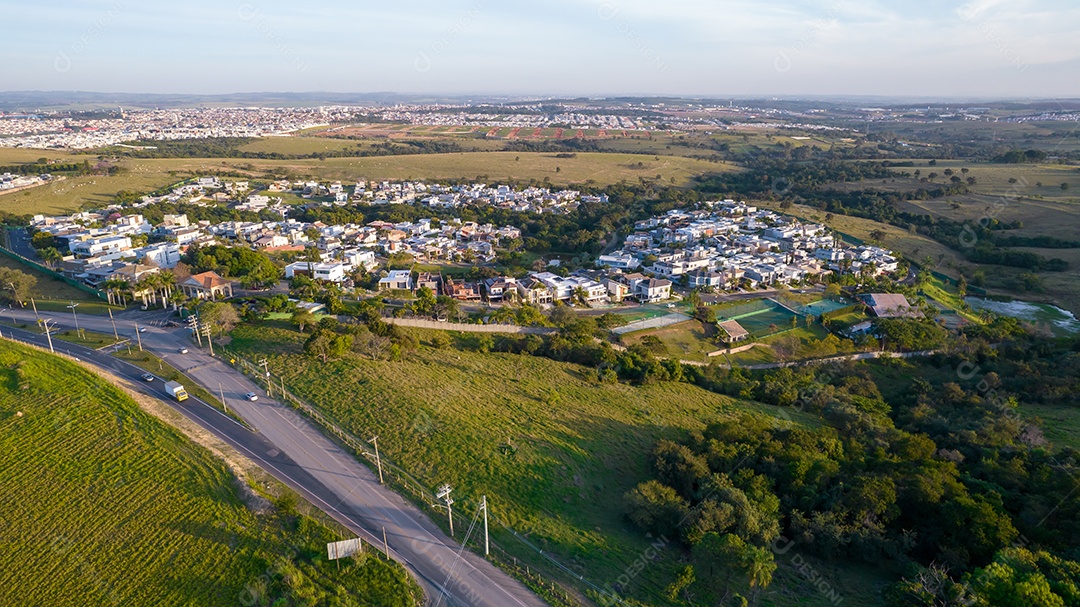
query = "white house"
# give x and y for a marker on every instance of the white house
(397, 279)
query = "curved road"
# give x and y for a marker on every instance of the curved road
(285, 445)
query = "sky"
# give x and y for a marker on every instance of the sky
(720, 48)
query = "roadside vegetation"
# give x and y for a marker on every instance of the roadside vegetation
(107, 505)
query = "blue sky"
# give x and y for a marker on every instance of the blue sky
(986, 48)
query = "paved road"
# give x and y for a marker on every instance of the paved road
(291, 449)
(20, 243)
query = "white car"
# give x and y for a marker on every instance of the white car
(142, 329)
(251, 396)
(147, 377)
(182, 350)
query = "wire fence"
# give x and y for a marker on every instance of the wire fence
(540, 578)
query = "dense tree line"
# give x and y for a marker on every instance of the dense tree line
(976, 242)
(38, 168)
(936, 472)
(251, 268)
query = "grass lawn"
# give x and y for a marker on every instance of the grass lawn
(552, 448)
(89, 339)
(105, 504)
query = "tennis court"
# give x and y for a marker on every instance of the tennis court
(760, 317)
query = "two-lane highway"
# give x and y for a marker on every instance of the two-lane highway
(293, 450)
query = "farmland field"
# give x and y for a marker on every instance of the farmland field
(552, 448)
(300, 145)
(106, 505)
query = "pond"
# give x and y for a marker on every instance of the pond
(1060, 322)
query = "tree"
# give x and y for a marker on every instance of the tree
(16, 286)
(115, 289)
(42, 240)
(326, 344)
(220, 316)
(656, 507)
(51, 256)
(302, 318)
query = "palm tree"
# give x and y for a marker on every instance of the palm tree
(759, 567)
(50, 255)
(166, 281)
(141, 288)
(114, 290)
(581, 296)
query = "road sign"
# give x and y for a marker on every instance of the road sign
(344, 548)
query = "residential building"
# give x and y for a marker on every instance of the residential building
(397, 280)
(207, 285)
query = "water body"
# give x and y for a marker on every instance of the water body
(1061, 322)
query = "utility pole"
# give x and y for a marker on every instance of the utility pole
(206, 331)
(265, 364)
(378, 460)
(113, 321)
(34, 305)
(444, 494)
(48, 334)
(76, 316)
(487, 545)
(193, 324)
(14, 294)
(222, 393)
(138, 336)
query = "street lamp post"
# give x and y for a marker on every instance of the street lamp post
(74, 305)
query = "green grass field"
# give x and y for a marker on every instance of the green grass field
(301, 145)
(69, 194)
(552, 448)
(106, 505)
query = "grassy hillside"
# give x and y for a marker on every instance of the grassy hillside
(552, 448)
(106, 505)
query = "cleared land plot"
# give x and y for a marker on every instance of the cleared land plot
(690, 340)
(106, 505)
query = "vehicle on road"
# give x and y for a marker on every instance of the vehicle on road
(142, 329)
(182, 351)
(147, 377)
(176, 390)
(251, 396)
